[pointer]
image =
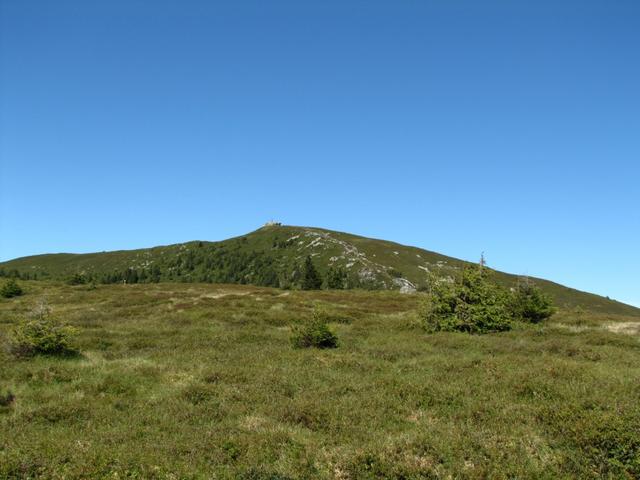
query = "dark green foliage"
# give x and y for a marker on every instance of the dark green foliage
(371, 466)
(314, 333)
(311, 279)
(207, 263)
(6, 399)
(470, 304)
(76, 279)
(395, 273)
(11, 289)
(22, 275)
(529, 304)
(42, 335)
(336, 278)
(257, 474)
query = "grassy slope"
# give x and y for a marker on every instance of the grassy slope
(327, 247)
(198, 380)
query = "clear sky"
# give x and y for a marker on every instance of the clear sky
(509, 127)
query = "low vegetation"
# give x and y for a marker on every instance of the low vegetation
(200, 381)
(40, 334)
(6, 399)
(314, 333)
(10, 289)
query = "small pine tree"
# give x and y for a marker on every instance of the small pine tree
(315, 333)
(529, 304)
(41, 335)
(471, 304)
(311, 279)
(11, 289)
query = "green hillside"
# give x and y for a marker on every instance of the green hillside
(274, 256)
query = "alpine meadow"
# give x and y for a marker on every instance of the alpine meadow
(319, 240)
(360, 359)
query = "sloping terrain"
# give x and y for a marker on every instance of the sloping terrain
(274, 256)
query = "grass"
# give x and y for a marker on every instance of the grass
(200, 381)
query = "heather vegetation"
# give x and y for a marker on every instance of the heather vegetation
(201, 381)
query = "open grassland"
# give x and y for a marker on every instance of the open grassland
(200, 381)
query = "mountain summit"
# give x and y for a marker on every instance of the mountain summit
(275, 255)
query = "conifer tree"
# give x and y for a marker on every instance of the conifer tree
(310, 277)
(529, 303)
(336, 278)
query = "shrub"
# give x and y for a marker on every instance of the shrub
(529, 304)
(6, 399)
(11, 289)
(394, 273)
(314, 333)
(470, 304)
(76, 279)
(41, 335)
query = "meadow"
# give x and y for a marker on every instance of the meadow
(198, 381)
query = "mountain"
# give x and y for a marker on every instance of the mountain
(274, 255)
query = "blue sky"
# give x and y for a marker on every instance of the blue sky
(508, 127)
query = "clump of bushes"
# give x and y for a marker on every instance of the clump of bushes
(42, 335)
(11, 289)
(474, 304)
(314, 333)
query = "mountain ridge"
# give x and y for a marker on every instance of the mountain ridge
(273, 255)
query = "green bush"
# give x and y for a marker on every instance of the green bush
(6, 399)
(11, 289)
(469, 304)
(76, 279)
(314, 333)
(41, 335)
(394, 273)
(529, 304)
